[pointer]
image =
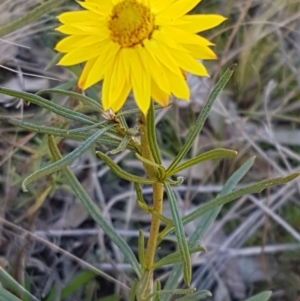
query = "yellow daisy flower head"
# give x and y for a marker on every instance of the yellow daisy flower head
(144, 46)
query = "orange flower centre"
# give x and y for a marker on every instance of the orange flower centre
(130, 23)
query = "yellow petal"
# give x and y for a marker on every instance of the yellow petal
(105, 54)
(78, 16)
(198, 23)
(189, 64)
(156, 71)
(102, 9)
(119, 103)
(140, 82)
(159, 5)
(85, 72)
(179, 8)
(78, 29)
(178, 85)
(162, 55)
(80, 55)
(158, 95)
(201, 52)
(70, 43)
(185, 37)
(107, 82)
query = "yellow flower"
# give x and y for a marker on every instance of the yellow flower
(140, 45)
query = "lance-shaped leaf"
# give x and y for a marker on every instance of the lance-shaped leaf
(89, 127)
(157, 288)
(218, 153)
(60, 132)
(221, 200)
(186, 291)
(194, 132)
(179, 231)
(94, 210)
(150, 210)
(263, 296)
(175, 257)
(122, 173)
(67, 160)
(51, 106)
(122, 146)
(152, 134)
(30, 17)
(196, 296)
(206, 221)
(82, 98)
(160, 168)
(132, 293)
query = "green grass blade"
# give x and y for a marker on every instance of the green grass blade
(194, 132)
(263, 296)
(49, 105)
(30, 17)
(7, 296)
(82, 98)
(218, 153)
(152, 134)
(94, 211)
(78, 282)
(65, 161)
(13, 286)
(180, 235)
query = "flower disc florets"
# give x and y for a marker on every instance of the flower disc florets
(130, 23)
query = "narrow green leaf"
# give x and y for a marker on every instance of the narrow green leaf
(94, 210)
(7, 296)
(218, 153)
(196, 296)
(122, 146)
(122, 173)
(222, 200)
(175, 257)
(141, 248)
(161, 169)
(263, 296)
(13, 286)
(150, 210)
(187, 291)
(83, 98)
(180, 235)
(139, 193)
(67, 160)
(30, 17)
(133, 291)
(152, 134)
(59, 132)
(157, 288)
(206, 221)
(89, 127)
(77, 283)
(194, 132)
(51, 106)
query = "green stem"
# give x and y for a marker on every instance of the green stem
(152, 172)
